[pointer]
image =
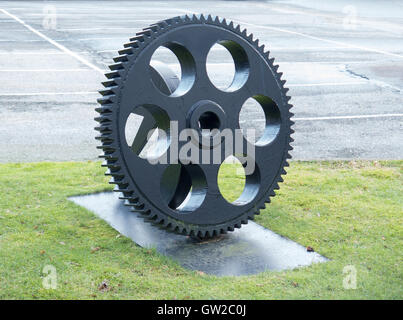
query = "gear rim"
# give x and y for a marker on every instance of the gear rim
(110, 146)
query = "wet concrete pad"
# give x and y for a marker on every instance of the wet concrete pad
(249, 250)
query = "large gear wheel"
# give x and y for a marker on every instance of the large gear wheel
(185, 197)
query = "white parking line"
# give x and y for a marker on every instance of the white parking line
(339, 43)
(371, 24)
(66, 40)
(96, 29)
(156, 14)
(58, 45)
(94, 39)
(361, 116)
(39, 53)
(108, 51)
(13, 40)
(48, 70)
(47, 93)
(322, 39)
(326, 84)
(308, 48)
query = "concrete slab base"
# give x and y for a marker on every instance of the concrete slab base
(249, 250)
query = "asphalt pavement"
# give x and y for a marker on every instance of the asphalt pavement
(343, 62)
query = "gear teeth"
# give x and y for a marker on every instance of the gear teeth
(106, 92)
(126, 51)
(127, 196)
(103, 119)
(122, 190)
(103, 128)
(146, 32)
(116, 66)
(137, 38)
(144, 213)
(133, 44)
(154, 28)
(109, 156)
(106, 109)
(134, 201)
(121, 58)
(174, 20)
(140, 207)
(127, 203)
(106, 99)
(261, 48)
(112, 75)
(105, 138)
(162, 24)
(109, 83)
(262, 206)
(114, 173)
(118, 180)
(111, 165)
(106, 147)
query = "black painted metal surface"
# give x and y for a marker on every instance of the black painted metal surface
(249, 250)
(159, 191)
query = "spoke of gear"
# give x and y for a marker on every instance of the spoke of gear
(185, 198)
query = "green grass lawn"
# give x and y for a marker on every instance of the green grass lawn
(350, 212)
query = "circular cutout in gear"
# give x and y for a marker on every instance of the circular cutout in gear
(185, 197)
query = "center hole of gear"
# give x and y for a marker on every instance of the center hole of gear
(209, 121)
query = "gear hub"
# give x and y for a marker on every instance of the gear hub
(184, 197)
